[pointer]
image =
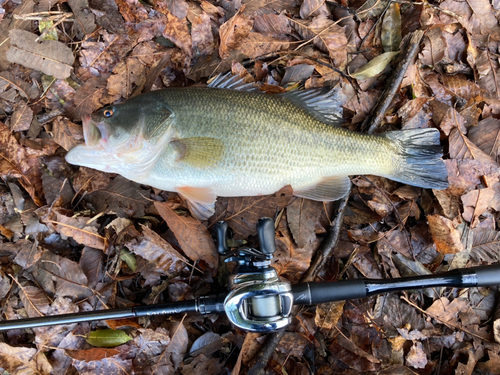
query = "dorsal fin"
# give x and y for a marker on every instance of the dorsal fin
(325, 103)
(230, 82)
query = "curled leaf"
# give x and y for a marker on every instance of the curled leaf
(375, 66)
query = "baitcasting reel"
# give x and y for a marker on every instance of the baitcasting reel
(259, 300)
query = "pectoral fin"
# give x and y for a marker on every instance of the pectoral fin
(201, 201)
(200, 152)
(328, 189)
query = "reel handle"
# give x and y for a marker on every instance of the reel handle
(265, 231)
(221, 228)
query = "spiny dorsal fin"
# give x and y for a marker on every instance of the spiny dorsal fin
(325, 103)
(199, 152)
(230, 82)
(328, 189)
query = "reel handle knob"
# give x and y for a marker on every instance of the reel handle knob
(221, 228)
(265, 231)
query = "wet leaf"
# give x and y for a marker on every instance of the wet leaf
(193, 236)
(48, 56)
(21, 118)
(375, 66)
(391, 29)
(84, 18)
(445, 235)
(106, 338)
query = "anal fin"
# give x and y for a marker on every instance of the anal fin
(327, 189)
(201, 201)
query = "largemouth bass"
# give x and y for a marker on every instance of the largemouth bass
(228, 139)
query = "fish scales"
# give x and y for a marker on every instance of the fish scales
(209, 142)
(265, 136)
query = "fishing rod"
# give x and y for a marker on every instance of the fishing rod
(259, 300)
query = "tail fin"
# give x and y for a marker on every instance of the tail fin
(419, 163)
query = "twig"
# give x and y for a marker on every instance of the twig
(322, 254)
(378, 113)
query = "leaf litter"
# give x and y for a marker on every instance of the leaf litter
(74, 239)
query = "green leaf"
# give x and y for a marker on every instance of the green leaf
(375, 66)
(128, 258)
(51, 31)
(106, 338)
(391, 29)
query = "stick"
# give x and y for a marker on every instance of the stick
(375, 118)
(322, 254)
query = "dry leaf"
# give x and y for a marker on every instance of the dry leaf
(21, 118)
(327, 35)
(302, 215)
(313, 8)
(232, 32)
(476, 203)
(155, 249)
(487, 136)
(49, 56)
(462, 148)
(129, 76)
(486, 245)
(201, 34)
(84, 18)
(177, 31)
(178, 8)
(445, 235)
(375, 66)
(328, 314)
(27, 91)
(66, 133)
(390, 34)
(193, 236)
(242, 213)
(35, 301)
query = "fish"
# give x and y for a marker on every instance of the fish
(229, 139)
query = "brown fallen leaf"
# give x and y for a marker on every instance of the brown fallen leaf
(121, 197)
(327, 35)
(476, 203)
(82, 236)
(193, 236)
(11, 24)
(155, 249)
(178, 8)
(129, 76)
(302, 216)
(23, 360)
(445, 235)
(270, 24)
(132, 11)
(313, 8)
(486, 135)
(93, 354)
(462, 148)
(242, 213)
(35, 301)
(48, 56)
(8, 80)
(84, 18)
(232, 32)
(66, 133)
(21, 118)
(486, 245)
(328, 314)
(88, 98)
(177, 31)
(201, 34)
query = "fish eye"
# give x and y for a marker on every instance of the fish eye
(108, 113)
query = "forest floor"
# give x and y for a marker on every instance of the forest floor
(75, 239)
